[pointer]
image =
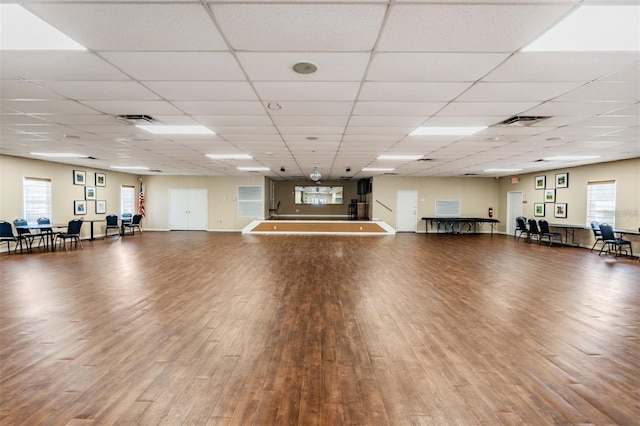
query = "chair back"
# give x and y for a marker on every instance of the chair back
(521, 224)
(595, 227)
(607, 232)
(136, 219)
(533, 226)
(74, 227)
(112, 220)
(6, 231)
(544, 226)
(44, 221)
(21, 222)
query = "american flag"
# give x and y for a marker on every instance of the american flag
(141, 203)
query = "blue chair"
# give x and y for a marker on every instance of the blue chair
(73, 233)
(24, 233)
(597, 234)
(521, 228)
(545, 232)
(610, 240)
(112, 223)
(7, 236)
(134, 224)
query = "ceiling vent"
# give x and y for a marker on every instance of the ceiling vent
(137, 117)
(522, 120)
(425, 159)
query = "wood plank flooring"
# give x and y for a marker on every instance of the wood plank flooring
(196, 328)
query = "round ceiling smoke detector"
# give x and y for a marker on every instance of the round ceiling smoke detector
(305, 68)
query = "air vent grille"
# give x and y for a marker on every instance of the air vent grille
(522, 120)
(137, 117)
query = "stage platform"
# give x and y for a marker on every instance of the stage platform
(314, 227)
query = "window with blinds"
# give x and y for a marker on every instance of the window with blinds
(37, 199)
(601, 202)
(250, 201)
(448, 208)
(128, 202)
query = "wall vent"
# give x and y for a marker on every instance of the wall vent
(522, 120)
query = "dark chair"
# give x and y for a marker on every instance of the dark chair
(521, 228)
(46, 234)
(545, 232)
(24, 233)
(595, 227)
(112, 223)
(73, 233)
(134, 224)
(7, 236)
(610, 240)
(274, 212)
(534, 231)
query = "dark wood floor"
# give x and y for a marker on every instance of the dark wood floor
(203, 328)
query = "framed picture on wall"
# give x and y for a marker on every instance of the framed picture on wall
(538, 209)
(101, 206)
(541, 182)
(549, 195)
(79, 207)
(79, 177)
(562, 180)
(560, 210)
(101, 179)
(90, 193)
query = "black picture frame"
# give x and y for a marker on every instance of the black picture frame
(560, 210)
(80, 207)
(562, 180)
(79, 177)
(538, 209)
(549, 195)
(540, 182)
(101, 179)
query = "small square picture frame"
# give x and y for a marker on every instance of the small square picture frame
(538, 209)
(562, 180)
(101, 179)
(90, 193)
(79, 177)
(540, 182)
(79, 207)
(549, 195)
(101, 206)
(560, 210)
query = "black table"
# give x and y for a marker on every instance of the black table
(463, 223)
(46, 230)
(569, 230)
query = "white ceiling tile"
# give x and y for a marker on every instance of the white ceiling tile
(68, 66)
(604, 91)
(398, 108)
(203, 90)
(134, 26)
(303, 91)
(311, 120)
(221, 108)
(96, 90)
(233, 120)
(527, 92)
(313, 108)
(300, 27)
(386, 121)
(45, 107)
(462, 121)
(133, 107)
(432, 66)
(507, 109)
(561, 66)
(554, 108)
(456, 28)
(302, 138)
(399, 131)
(311, 130)
(246, 130)
(278, 66)
(177, 66)
(21, 89)
(408, 92)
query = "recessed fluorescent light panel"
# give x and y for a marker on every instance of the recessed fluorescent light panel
(593, 28)
(377, 169)
(22, 30)
(253, 169)
(175, 130)
(446, 131)
(129, 167)
(59, 155)
(501, 170)
(571, 157)
(398, 157)
(230, 156)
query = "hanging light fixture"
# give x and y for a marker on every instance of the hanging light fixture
(315, 175)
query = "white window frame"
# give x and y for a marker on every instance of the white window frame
(128, 200)
(601, 202)
(250, 201)
(37, 199)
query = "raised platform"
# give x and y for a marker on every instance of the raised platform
(330, 227)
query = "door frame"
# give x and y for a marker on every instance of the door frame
(402, 210)
(510, 227)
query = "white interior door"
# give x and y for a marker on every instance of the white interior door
(406, 211)
(188, 209)
(514, 209)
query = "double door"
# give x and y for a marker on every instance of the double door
(188, 209)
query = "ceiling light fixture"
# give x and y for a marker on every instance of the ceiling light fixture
(22, 30)
(592, 28)
(253, 169)
(230, 156)
(446, 131)
(315, 175)
(175, 130)
(305, 68)
(398, 157)
(59, 155)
